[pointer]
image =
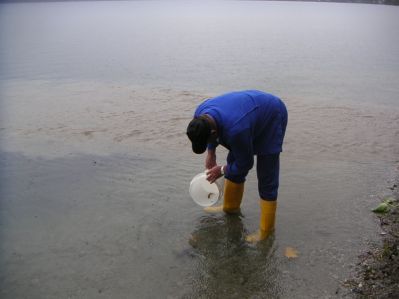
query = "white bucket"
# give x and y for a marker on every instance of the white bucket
(204, 193)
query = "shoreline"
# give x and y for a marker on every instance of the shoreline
(377, 271)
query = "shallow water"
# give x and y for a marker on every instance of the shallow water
(95, 164)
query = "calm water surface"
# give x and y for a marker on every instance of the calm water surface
(95, 166)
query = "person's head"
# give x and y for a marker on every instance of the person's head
(199, 131)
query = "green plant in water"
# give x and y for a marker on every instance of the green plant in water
(382, 208)
(385, 206)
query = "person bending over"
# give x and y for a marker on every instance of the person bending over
(248, 123)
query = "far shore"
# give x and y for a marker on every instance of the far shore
(383, 2)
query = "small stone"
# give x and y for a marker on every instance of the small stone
(356, 290)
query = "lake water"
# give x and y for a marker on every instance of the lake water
(95, 98)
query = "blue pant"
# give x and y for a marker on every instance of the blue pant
(267, 170)
(267, 167)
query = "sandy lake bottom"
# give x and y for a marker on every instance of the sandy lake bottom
(95, 198)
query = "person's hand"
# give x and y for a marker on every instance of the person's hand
(210, 160)
(214, 173)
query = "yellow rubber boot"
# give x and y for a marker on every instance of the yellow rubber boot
(266, 223)
(232, 198)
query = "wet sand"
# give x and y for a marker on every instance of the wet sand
(46, 118)
(94, 196)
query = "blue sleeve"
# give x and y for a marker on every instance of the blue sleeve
(241, 146)
(212, 146)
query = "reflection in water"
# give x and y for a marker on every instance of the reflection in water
(229, 267)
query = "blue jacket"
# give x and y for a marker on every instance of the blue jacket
(249, 123)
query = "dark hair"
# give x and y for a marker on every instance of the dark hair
(198, 131)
